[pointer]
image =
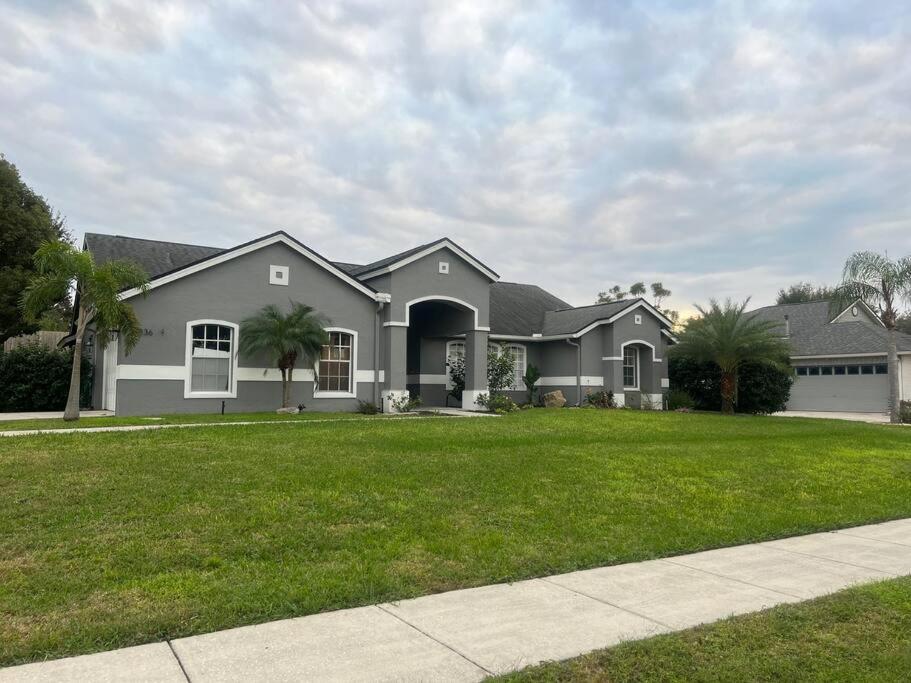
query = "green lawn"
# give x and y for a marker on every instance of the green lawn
(860, 634)
(112, 421)
(113, 539)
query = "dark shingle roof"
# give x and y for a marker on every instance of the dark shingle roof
(389, 260)
(519, 309)
(812, 333)
(155, 257)
(349, 268)
(570, 320)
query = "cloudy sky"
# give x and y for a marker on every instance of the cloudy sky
(725, 148)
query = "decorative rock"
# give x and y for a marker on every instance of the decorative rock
(288, 411)
(554, 399)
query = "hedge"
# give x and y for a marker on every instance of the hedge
(760, 388)
(34, 377)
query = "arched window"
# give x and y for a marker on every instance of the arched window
(336, 364)
(210, 359)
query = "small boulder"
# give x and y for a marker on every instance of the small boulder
(554, 399)
(288, 411)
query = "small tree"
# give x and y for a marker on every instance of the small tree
(883, 284)
(286, 338)
(58, 266)
(729, 337)
(530, 379)
(501, 367)
(457, 377)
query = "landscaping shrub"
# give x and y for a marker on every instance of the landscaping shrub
(34, 377)
(905, 411)
(761, 388)
(497, 403)
(677, 399)
(601, 399)
(367, 408)
(406, 404)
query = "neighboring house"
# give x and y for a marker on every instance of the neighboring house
(394, 324)
(839, 356)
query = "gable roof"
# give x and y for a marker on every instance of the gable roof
(519, 309)
(390, 263)
(813, 331)
(155, 257)
(159, 254)
(577, 321)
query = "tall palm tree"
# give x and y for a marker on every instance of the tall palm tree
(883, 284)
(729, 337)
(287, 338)
(59, 266)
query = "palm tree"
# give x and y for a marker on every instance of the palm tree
(60, 265)
(882, 283)
(729, 337)
(287, 338)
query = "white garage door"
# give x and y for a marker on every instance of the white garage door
(847, 388)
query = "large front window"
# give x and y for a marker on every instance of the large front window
(335, 363)
(517, 351)
(211, 366)
(631, 367)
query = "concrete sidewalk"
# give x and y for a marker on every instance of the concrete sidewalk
(466, 635)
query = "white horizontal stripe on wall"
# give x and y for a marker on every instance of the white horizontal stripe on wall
(179, 372)
(426, 379)
(587, 381)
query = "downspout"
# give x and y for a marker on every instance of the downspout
(376, 352)
(578, 346)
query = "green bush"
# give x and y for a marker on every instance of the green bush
(406, 404)
(761, 388)
(906, 412)
(677, 399)
(601, 399)
(367, 407)
(497, 403)
(34, 377)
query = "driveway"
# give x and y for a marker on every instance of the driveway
(873, 418)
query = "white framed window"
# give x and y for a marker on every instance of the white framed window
(278, 275)
(637, 319)
(444, 267)
(454, 349)
(519, 357)
(630, 367)
(211, 359)
(335, 370)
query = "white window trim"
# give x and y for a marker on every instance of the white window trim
(339, 394)
(634, 387)
(517, 376)
(188, 361)
(436, 297)
(449, 345)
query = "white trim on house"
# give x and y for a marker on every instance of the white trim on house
(280, 238)
(188, 360)
(849, 355)
(862, 303)
(427, 379)
(629, 309)
(167, 372)
(436, 297)
(444, 244)
(353, 376)
(570, 380)
(244, 374)
(111, 373)
(644, 343)
(667, 334)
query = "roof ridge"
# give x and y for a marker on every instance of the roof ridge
(605, 303)
(146, 239)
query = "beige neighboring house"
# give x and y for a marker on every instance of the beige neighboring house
(47, 338)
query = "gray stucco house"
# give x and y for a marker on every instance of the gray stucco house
(395, 323)
(839, 356)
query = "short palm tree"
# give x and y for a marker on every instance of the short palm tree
(883, 284)
(287, 337)
(730, 337)
(59, 266)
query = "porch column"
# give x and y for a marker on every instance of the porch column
(395, 356)
(475, 368)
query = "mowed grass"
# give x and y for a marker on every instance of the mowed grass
(860, 634)
(113, 421)
(112, 539)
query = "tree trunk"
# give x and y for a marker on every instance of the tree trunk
(72, 399)
(894, 401)
(284, 387)
(728, 385)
